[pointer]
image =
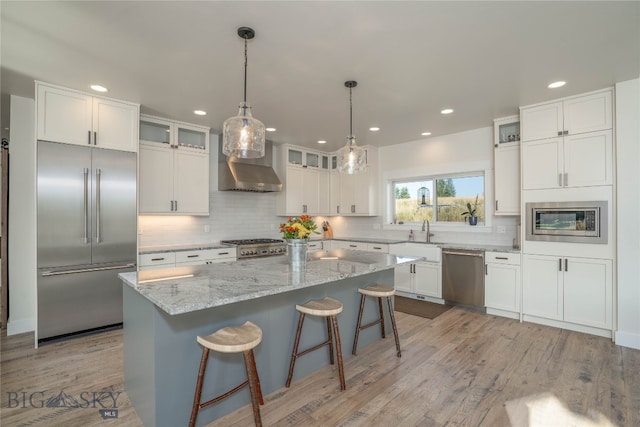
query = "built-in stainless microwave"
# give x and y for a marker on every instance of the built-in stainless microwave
(576, 222)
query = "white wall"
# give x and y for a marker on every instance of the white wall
(628, 200)
(22, 217)
(454, 153)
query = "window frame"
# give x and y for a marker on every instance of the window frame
(391, 183)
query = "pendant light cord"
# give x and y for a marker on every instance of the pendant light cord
(350, 118)
(245, 71)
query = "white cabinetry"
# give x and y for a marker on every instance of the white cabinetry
(422, 278)
(306, 182)
(174, 168)
(73, 117)
(344, 244)
(355, 195)
(568, 143)
(569, 289)
(506, 168)
(185, 258)
(502, 290)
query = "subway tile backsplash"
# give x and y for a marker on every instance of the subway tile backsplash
(241, 215)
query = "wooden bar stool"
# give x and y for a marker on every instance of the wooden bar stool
(232, 339)
(329, 308)
(379, 292)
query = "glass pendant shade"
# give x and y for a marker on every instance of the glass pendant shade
(351, 158)
(242, 135)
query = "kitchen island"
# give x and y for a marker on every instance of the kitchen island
(165, 309)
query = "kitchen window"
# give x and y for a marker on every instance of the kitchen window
(437, 199)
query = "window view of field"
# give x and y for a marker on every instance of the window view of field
(415, 200)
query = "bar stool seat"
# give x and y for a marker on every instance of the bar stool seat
(329, 308)
(231, 339)
(379, 292)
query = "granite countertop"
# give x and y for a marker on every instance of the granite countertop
(479, 247)
(207, 286)
(369, 240)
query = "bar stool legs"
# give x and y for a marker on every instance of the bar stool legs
(378, 292)
(328, 308)
(239, 339)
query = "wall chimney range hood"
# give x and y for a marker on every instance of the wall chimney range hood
(235, 174)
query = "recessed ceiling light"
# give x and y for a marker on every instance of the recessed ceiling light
(555, 85)
(270, 129)
(322, 141)
(447, 111)
(374, 129)
(425, 133)
(199, 112)
(99, 88)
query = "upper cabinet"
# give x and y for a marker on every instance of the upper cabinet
(568, 143)
(313, 186)
(571, 116)
(355, 195)
(73, 117)
(306, 182)
(174, 167)
(506, 167)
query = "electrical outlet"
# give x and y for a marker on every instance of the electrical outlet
(502, 230)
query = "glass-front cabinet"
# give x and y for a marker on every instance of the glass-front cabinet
(191, 138)
(174, 134)
(307, 159)
(155, 132)
(507, 130)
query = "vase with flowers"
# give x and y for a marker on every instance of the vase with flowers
(296, 232)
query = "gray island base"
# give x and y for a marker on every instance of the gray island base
(164, 311)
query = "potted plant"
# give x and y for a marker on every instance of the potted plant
(471, 212)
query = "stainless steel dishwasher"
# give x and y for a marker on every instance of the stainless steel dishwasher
(463, 277)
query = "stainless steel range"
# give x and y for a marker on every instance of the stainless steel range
(250, 248)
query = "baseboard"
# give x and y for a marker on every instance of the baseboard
(628, 339)
(15, 327)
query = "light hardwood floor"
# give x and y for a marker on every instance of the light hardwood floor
(461, 369)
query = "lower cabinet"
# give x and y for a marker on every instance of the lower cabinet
(569, 289)
(184, 258)
(502, 289)
(421, 278)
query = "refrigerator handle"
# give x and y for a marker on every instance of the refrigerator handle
(86, 205)
(98, 172)
(87, 270)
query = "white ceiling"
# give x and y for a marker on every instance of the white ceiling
(411, 59)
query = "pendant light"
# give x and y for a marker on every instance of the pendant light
(351, 158)
(242, 135)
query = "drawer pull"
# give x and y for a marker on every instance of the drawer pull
(193, 256)
(353, 246)
(502, 257)
(223, 253)
(157, 259)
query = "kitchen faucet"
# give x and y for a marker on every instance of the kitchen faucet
(429, 234)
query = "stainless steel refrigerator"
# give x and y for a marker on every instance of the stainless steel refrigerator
(86, 236)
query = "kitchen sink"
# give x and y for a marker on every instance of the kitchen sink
(429, 252)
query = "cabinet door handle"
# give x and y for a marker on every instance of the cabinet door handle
(486, 270)
(566, 179)
(566, 264)
(304, 208)
(95, 138)
(559, 264)
(193, 256)
(171, 205)
(176, 205)
(559, 133)
(157, 259)
(89, 137)
(496, 205)
(566, 132)
(559, 180)
(337, 209)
